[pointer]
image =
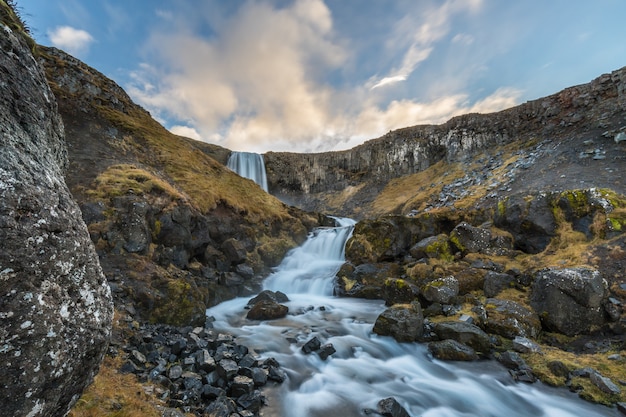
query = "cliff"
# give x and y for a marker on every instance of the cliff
(56, 307)
(348, 182)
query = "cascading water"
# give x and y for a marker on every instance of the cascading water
(367, 368)
(249, 165)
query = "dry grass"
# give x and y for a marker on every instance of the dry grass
(115, 395)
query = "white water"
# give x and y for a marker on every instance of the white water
(367, 368)
(249, 165)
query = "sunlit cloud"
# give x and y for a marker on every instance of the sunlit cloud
(186, 131)
(72, 40)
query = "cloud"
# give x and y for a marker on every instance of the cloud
(259, 80)
(186, 131)
(72, 40)
(421, 37)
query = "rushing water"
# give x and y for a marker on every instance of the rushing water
(367, 368)
(249, 165)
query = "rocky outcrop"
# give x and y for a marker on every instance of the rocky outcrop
(56, 307)
(308, 178)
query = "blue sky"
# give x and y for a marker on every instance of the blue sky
(319, 75)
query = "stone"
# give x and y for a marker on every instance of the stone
(241, 385)
(510, 319)
(451, 350)
(398, 291)
(56, 304)
(469, 239)
(441, 290)
(496, 282)
(560, 294)
(390, 407)
(325, 351)
(403, 322)
(227, 369)
(432, 247)
(604, 384)
(221, 407)
(268, 295)
(312, 345)
(204, 361)
(512, 360)
(267, 310)
(465, 333)
(234, 250)
(525, 345)
(175, 372)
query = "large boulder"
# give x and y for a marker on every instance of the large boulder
(56, 305)
(569, 300)
(441, 290)
(469, 239)
(451, 350)
(398, 291)
(510, 319)
(365, 280)
(403, 322)
(432, 247)
(465, 333)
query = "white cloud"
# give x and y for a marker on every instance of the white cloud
(258, 83)
(186, 131)
(72, 40)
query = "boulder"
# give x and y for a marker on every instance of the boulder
(234, 250)
(398, 291)
(365, 280)
(403, 322)
(496, 282)
(56, 304)
(465, 333)
(451, 350)
(267, 310)
(432, 247)
(390, 407)
(268, 295)
(469, 239)
(558, 295)
(510, 319)
(441, 290)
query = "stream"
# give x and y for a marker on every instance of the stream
(367, 368)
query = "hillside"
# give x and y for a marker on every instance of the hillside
(560, 142)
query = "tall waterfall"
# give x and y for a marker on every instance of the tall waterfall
(367, 368)
(249, 165)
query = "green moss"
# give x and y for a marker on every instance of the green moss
(156, 229)
(178, 305)
(501, 207)
(440, 249)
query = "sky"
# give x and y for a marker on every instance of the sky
(322, 75)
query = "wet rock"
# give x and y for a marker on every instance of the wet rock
(525, 345)
(325, 351)
(312, 345)
(221, 407)
(512, 360)
(465, 333)
(451, 350)
(390, 407)
(510, 319)
(267, 310)
(268, 295)
(365, 280)
(441, 290)
(560, 294)
(56, 304)
(398, 291)
(403, 322)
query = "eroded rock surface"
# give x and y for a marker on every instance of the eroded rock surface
(55, 303)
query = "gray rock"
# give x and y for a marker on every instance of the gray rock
(451, 350)
(398, 291)
(56, 304)
(390, 407)
(465, 333)
(510, 319)
(525, 345)
(496, 282)
(441, 290)
(468, 238)
(560, 294)
(403, 322)
(431, 247)
(604, 384)
(267, 310)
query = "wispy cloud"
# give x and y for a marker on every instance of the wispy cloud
(72, 40)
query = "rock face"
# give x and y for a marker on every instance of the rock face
(569, 300)
(309, 178)
(56, 305)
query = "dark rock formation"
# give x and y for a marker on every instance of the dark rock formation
(403, 322)
(451, 350)
(510, 319)
(569, 301)
(390, 407)
(398, 291)
(56, 305)
(465, 333)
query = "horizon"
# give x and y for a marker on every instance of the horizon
(315, 76)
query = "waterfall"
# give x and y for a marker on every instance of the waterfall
(249, 165)
(366, 367)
